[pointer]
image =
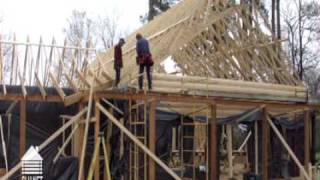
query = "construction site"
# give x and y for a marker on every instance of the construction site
(235, 109)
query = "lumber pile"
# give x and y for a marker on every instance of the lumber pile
(228, 88)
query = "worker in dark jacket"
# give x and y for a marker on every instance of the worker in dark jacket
(118, 64)
(144, 60)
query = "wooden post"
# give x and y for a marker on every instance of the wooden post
(256, 147)
(23, 120)
(96, 137)
(78, 135)
(213, 159)
(152, 139)
(229, 149)
(265, 144)
(306, 139)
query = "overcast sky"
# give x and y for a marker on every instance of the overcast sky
(48, 17)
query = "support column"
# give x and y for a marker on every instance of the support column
(306, 139)
(78, 137)
(213, 159)
(96, 138)
(265, 144)
(23, 121)
(229, 149)
(152, 138)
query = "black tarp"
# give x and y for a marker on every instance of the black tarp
(42, 120)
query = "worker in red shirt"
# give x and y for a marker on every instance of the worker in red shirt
(118, 64)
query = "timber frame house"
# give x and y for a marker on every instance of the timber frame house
(228, 65)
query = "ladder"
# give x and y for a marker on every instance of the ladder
(198, 151)
(138, 126)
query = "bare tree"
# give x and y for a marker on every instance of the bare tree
(303, 32)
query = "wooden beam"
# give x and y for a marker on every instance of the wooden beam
(65, 143)
(40, 86)
(173, 97)
(73, 98)
(23, 88)
(307, 139)
(265, 145)
(97, 138)
(229, 150)
(152, 138)
(106, 159)
(4, 149)
(85, 137)
(213, 156)
(22, 127)
(138, 142)
(291, 153)
(57, 87)
(95, 158)
(82, 78)
(47, 141)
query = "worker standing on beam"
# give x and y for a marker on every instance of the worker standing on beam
(118, 64)
(144, 60)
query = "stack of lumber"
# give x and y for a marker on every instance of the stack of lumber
(228, 88)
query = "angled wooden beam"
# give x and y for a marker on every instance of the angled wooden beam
(291, 153)
(73, 98)
(40, 86)
(4, 150)
(23, 88)
(96, 137)
(12, 105)
(71, 83)
(65, 143)
(95, 77)
(84, 145)
(4, 88)
(47, 141)
(57, 87)
(82, 78)
(13, 60)
(138, 142)
(26, 58)
(61, 60)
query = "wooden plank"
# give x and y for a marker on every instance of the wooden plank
(23, 88)
(106, 159)
(213, 156)
(152, 139)
(85, 137)
(82, 78)
(187, 98)
(97, 138)
(40, 86)
(73, 98)
(291, 153)
(138, 142)
(307, 130)
(229, 150)
(57, 87)
(4, 149)
(95, 158)
(47, 141)
(22, 127)
(65, 143)
(265, 145)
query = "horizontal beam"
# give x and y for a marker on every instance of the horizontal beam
(37, 97)
(173, 97)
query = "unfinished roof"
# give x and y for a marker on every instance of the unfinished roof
(219, 41)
